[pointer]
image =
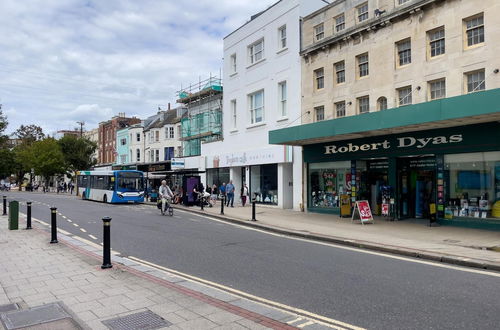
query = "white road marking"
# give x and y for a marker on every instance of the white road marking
(76, 225)
(305, 324)
(317, 318)
(64, 232)
(83, 230)
(64, 217)
(92, 236)
(430, 263)
(296, 320)
(69, 220)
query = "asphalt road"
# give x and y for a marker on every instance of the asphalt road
(366, 290)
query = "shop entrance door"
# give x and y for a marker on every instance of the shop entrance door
(416, 186)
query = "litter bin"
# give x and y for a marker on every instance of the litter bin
(13, 215)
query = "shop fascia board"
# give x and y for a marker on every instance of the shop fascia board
(473, 108)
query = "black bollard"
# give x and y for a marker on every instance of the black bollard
(28, 216)
(4, 205)
(106, 252)
(202, 201)
(53, 225)
(222, 205)
(253, 210)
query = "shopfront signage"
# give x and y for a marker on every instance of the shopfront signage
(401, 142)
(270, 155)
(177, 163)
(157, 168)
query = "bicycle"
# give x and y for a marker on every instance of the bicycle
(168, 207)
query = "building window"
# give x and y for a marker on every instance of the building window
(364, 104)
(138, 155)
(382, 103)
(157, 155)
(404, 95)
(123, 141)
(151, 136)
(340, 109)
(256, 101)
(233, 63)
(436, 42)
(256, 51)
(475, 81)
(340, 72)
(123, 159)
(157, 136)
(339, 23)
(282, 37)
(233, 114)
(362, 12)
(319, 113)
(363, 69)
(404, 52)
(437, 89)
(319, 76)
(474, 29)
(282, 98)
(400, 2)
(171, 132)
(152, 154)
(319, 32)
(138, 137)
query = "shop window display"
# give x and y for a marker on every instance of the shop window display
(472, 185)
(264, 183)
(327, 182)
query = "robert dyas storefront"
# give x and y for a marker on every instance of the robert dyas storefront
(456, 168)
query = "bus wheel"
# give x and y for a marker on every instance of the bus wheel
(105, 199)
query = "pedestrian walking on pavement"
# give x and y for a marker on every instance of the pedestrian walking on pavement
(230, 193)
(223, 190)
(244, 194)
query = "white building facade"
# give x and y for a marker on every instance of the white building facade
(262, 84)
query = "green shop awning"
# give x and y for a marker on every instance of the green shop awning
(479, 107)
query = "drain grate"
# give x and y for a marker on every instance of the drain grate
(8, 308)
(144, 320)
(33, 316)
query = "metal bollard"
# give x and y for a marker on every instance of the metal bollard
(106, 251)
(222, 205)
(53, 225)
(253, 210)
(4, 205)
(202, 201)
(28, 215)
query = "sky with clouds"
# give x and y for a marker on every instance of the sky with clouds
(63, 61)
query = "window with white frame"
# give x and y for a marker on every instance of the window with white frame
(400, 2)
(123, 141)
(138, 137)
(282, 37)
(138, 155)
(339, 23)
(234, 114)
(475, 81)
(171, 132)
(404, 52)
(319, 113)
(319, 32)
(363, 68)
(319, 77)
(340, 72)
(363, 104)
(152, 154)
(474, 30)
(157, 155)
(282, 95)
(256, 51)
(404, 95)
(362, 12)
(436, 42)
(340, 109)
(256, 103)
(232, 61)
(437, 89)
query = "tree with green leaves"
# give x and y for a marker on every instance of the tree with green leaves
(3, 126)
(29, 133)
(7, 166)
(77, 152)
(48, 158)
(23, 160)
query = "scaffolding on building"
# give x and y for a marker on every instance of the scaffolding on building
(203, 119)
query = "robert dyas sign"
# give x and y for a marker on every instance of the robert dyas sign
(399, 143)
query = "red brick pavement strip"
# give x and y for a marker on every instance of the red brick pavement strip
(249, 315)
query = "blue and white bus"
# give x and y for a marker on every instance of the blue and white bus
(111, 186)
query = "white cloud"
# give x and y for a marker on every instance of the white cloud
(60, 60)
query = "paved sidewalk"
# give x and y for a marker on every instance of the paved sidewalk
(462, 246)
(35, 273)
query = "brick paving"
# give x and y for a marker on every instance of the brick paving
(34, 272)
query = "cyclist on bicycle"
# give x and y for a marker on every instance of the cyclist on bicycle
(165, 195)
